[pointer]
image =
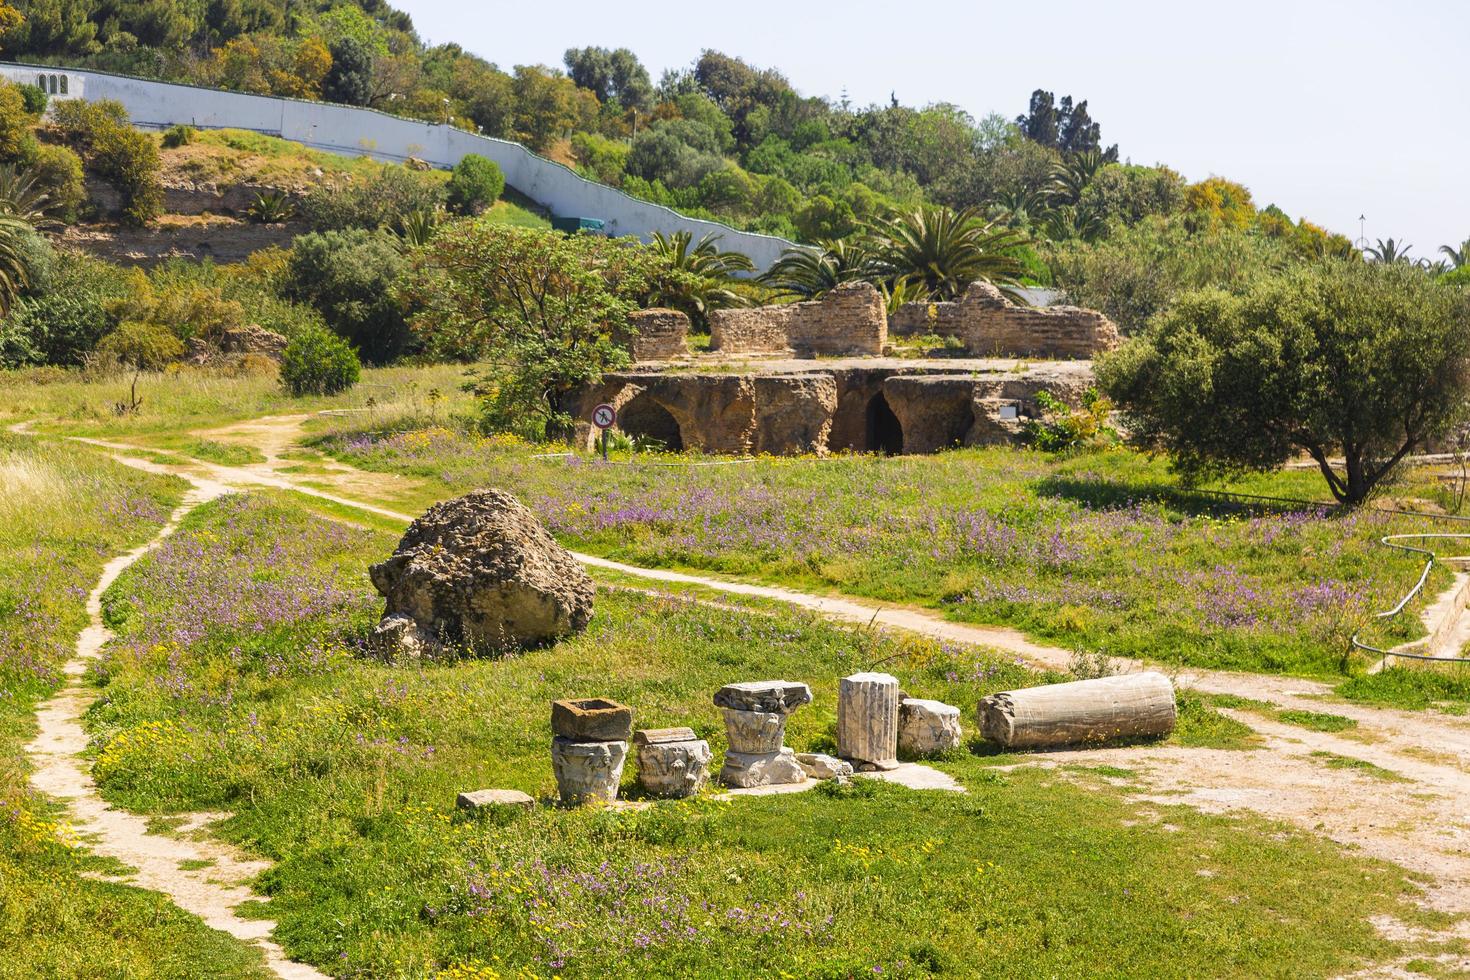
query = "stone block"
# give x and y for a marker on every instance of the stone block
(675, 769)
(485, 799)
(591, 720)
(778, 696)
(754, 731)
(820, 766)
(658, 736)
(927, 727)
(587, 771)
(746, 769)
(867, 719)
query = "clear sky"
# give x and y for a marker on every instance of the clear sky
(1327, 109)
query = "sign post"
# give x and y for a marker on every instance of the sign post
(604, 416)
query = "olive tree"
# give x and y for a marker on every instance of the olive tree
(1352, 364)
(545, 310)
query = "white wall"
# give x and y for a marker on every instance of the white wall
(354, 131)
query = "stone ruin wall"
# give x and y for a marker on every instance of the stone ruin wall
(821, 411)
(849, 320)
(992, 326)
(657, 335)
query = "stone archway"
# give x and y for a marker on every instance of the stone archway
(884, 433)
(644, 417)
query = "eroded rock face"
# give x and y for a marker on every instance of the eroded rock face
(481, 572)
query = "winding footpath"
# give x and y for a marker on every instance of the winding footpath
(212, 882)
(1418, 817)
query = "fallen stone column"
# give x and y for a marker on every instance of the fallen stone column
(867, 720)
(1128, 705)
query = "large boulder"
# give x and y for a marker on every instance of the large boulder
(480, 573)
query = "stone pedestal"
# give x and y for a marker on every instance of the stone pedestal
(755, 725)
(746, 769)
(672, 762)
(587, 771)
(867, 719)
(927, 727)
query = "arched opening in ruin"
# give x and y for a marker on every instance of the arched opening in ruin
(645, 418)
(884, 431)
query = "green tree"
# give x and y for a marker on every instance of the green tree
(1339, 360)
(350, 79)
(822, 219)
(348, 277)
(612, 76)
(545, 309)
(1127, 193)
(1458, 257)
(1391, 252)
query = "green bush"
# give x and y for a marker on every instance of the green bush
(17, 141)
(475, 184)
(348, 277)
(149, 346)
(63, 324)
(318, 362)
(117, 153)
(35, 99)
(58, 171)
(382, 200)
(180, 135)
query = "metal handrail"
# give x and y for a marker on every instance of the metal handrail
(1393, 541)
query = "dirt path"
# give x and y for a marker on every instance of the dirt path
(1414, 813)
(216, 883)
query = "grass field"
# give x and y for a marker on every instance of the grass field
(1101, 551)
(63, 513)
(238, 683)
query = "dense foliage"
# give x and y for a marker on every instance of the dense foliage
(317, 362)
(348, 277)
(1341, 360)
(545, 309)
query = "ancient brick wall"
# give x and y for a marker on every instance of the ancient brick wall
(993, 326)
(849, 320)
(657, 334)
(758, 330)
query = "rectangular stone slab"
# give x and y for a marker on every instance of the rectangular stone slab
(769, 696)
(661, 736)
(494, 797)
(591, 720)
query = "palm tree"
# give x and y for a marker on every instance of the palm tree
(701, 275)
(806, 273)
(1390, 252)
(23, 198)
(944, 250)
(14, 272)
(1019, 207)
(1459, 257)
(1070, 178)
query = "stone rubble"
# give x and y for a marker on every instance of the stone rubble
(818, 765)
(927, 727)
(487, 799)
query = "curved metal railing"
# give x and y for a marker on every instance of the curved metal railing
(1393, 541)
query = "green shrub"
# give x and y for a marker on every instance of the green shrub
(17, 141)
(117, 153)
(382, 200)
(318, 362)
(1063, 427)
(58, 171)
(179, 135)
(475, 184)
(149, 346)
(348, 277)
(63, 324)
(35, 99)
